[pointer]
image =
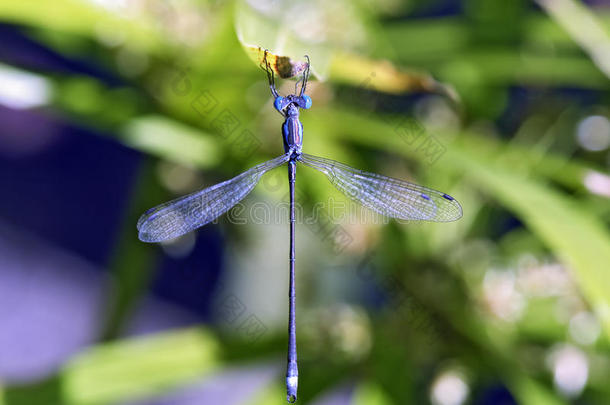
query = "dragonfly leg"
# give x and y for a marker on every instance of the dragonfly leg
(305, 78)
(270, 76)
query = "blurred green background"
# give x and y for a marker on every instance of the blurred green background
(110, 107)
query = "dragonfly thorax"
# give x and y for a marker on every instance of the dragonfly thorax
(292, 110)
(292, 129)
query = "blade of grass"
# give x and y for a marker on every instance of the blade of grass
(80, 18)
(139, 367)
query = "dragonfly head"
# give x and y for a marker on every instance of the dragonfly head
(290, 105)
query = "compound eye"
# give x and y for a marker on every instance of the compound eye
(279, 103)
(306, 101)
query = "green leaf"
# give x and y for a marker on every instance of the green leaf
(80, 18)
(274, 29)
(139, 367)
(172, 140)
(332, 56)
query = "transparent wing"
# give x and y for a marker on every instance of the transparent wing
(387, 196)
(184, 214)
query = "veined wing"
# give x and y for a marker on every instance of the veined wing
(184, 214)
(391, 197)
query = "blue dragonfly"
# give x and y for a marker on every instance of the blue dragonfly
(390, 197)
